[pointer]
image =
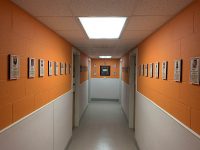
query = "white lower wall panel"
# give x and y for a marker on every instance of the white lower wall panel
(63, 121)
(83, 97)
(105, 88)
(125, 98)
(49, 128)
(157, 130)
(33, 133)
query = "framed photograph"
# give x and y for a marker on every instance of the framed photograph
(177, 70)
(164, 70)
(14, 72)
(31, 67)
(195, 70)
(142, 70)
(146, 70)
(56, 68)
(157, 70)
(41, 67)
(50, 68)
(151, 70)
(62, 68)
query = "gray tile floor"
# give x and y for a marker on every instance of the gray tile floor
(103, 127)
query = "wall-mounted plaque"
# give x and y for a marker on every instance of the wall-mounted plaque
(41, 67)
(142, 70)
(62, 68)
(31, 67)
(14, 67)
(178, 70)
(157, 70)
(195, 70)
(164, 70)
(56, 68)
(151, 70)
(50, 68)
(146, 70)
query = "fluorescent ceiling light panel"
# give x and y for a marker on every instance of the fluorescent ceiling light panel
(103, 27)
(105, 56)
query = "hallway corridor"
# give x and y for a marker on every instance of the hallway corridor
(103, 127)
(57, 55)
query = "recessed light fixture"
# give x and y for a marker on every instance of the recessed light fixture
(105, 56)
(103, 27)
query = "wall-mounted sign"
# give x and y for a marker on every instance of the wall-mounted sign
(56, 68)
(146, 70)
(14, 67)
(50, 68)
(41, 67)
(104, 70)
(83, 68)
(177, 70)
(195, 70)
(142, 70)
(31, 67)
(151, 70)
(125, 69)
(62, 68)
(164, 70)
(157, 70)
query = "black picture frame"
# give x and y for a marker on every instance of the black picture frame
(104, 70)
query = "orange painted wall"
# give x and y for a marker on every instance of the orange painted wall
(125, 68)
(179, 38)
(84, 64)
(109, 62)
(22, 35)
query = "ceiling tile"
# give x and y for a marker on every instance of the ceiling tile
(160, 7)
(136, 35)
(80, 43)
(45, 7)
(146, 22)
(92, 44)
(60, 23)
(145, 17)
(103, 43)
(72, 34)
(103, 7)
(100, 52)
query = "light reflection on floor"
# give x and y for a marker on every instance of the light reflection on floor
(103, 127)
